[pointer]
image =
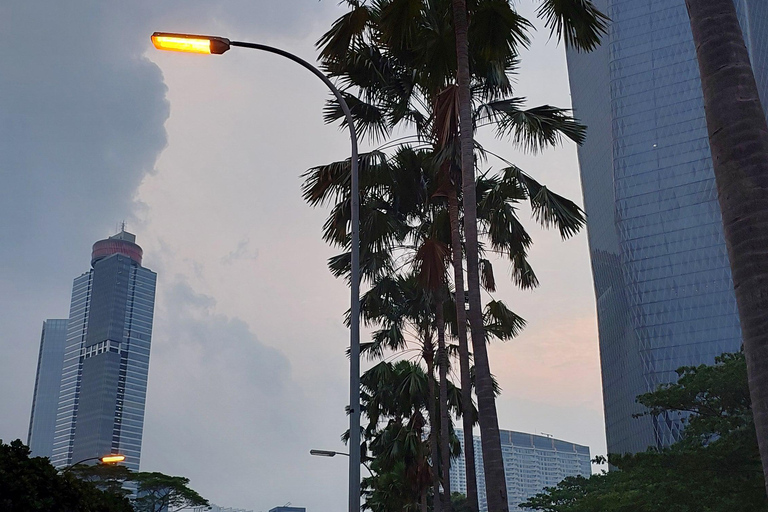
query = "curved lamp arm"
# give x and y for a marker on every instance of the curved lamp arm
(113, 458)
(218, 45)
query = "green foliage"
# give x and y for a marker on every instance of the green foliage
(395, 61)
(157, 492)
(32, 484)
(714, 468)
(395, 399)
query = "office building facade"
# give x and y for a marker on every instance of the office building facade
(45, 401)
(104, 360)
(531, 463)
(661, 273)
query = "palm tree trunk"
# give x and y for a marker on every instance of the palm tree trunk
(445, 430)
(495, 483)
(467, 414)
(429, 357)
(738, 139)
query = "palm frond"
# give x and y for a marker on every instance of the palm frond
(533, 129)
(486, 275)
(496, 34)
(522, 273)
(331, 182)
(344, 32)
(501, 322)
(498, 218)
(399, 23)
(549, 209)
(577, 22)
(370, 121)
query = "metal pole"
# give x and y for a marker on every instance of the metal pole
(354, 330)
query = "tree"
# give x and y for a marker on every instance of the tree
(581, 26)
(32, 484)
(156, 492)
(395, 397)
(714, 468)
(400, 56)
(738, 139)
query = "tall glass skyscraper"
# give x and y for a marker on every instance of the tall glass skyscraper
(99, 366)
(45, 402)
(661, 273)
(531, 463)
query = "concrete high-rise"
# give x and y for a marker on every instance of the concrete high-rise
(96, 362)
(531, 463)
(660, 266)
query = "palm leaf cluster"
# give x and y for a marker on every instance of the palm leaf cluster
(395, 61)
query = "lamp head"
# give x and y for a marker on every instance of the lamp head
(112, 459)
(322, 453)
(190, 43)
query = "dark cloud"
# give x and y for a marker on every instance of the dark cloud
(81, 123)
(82, 115)
(224, 408)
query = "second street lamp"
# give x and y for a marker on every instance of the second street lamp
(112, 458)
(331, 453)
(218, 45)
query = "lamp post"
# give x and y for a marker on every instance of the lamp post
(218, 45)
(331, 453)
(112, 458)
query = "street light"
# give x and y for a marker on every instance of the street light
(330, 453)
(112, 458)
(218, 45)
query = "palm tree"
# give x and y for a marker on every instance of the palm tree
(416, 219)
(580, 24)
(738, 139)
(394, 397)
(417, 70)
(399, 55)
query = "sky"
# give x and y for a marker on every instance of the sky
(202, 157)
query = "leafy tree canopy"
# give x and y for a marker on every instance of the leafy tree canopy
(158, 492)
(32, 484)
(155, 492)
(714, 468)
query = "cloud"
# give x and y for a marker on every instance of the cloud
(84, 124)
(82, 116)
(226, 410)
(81, 124)
(241, 252)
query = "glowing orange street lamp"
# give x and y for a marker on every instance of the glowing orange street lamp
(218, 45)
(190, 43)
(112, 458)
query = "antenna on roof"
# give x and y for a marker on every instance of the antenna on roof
(122, 226)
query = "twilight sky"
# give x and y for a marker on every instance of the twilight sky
(201, 157)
